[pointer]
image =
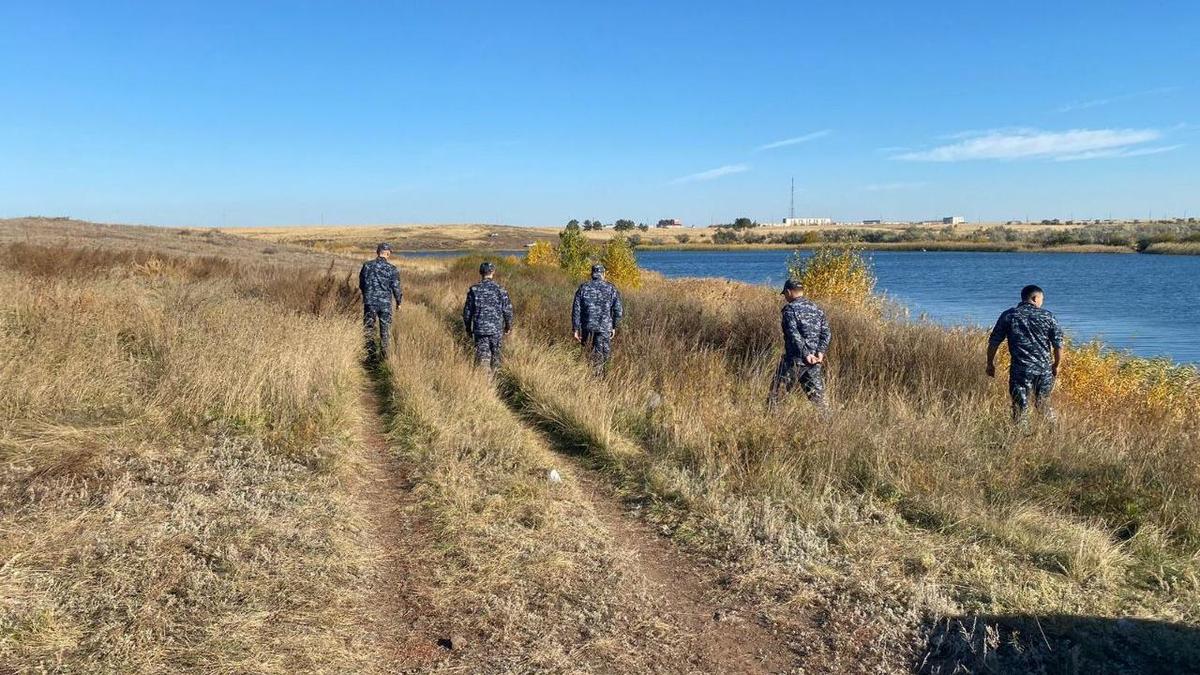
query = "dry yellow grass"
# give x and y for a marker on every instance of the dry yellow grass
(361, 240)
(82, 236)
(175, 477)
(1176, 248)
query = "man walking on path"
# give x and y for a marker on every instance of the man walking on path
(1035, 347)
(595, 315)
(805, 340)
(379, 282)
(488, 317)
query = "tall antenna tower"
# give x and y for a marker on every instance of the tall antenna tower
(792, 205)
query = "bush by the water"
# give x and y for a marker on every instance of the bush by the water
(840, 274)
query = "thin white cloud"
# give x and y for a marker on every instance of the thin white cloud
(972, 133)
(1134, 152)
(1034, 144)
(726, 170)
(795, 141)
(892, 187)
(1095, 103)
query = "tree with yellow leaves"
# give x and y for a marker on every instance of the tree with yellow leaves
(575, 252)
(541, 254)
(620, 263)
(839, 274)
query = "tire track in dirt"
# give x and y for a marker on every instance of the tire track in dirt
(725, 636)
(722, 635)
(401, 622)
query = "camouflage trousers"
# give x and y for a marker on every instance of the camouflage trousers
(377, 325)
(597, 346)
(793, 372)
(489, 351)
(1024, 385)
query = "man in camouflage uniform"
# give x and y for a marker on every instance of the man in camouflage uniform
(379, 282)
(805, 340)
(1035, 347)
(595, 315)
(488, 317)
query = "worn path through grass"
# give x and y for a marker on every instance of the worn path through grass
(403, 627)
(726, 635)
(657, 609)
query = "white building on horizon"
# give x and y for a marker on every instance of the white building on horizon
(793, 222)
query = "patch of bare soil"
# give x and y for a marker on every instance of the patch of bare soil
(405, 632)
(722, 635)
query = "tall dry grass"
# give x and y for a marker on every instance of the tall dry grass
(916, 483)
(176, 447)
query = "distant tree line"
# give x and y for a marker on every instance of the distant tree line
(621, 225)
(1136, 236)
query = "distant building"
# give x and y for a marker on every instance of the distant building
(670, 223)
(793, 222)
(953, 220)
(873, 221)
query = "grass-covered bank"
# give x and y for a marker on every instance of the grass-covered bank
(178, 455)
(915, 502)
(1176, 236)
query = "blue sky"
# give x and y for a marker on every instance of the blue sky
(257, 113)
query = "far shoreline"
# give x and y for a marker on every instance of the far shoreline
(902, 247)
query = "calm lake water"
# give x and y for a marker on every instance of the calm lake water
(1147, 304)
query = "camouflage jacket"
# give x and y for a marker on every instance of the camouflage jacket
(1032, 334)
(379, 282)
(487, 311)
(805, 329)
(597, 307)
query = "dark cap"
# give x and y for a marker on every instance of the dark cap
(597, 269)
(487, 268)
(383, 246)
(790, 285)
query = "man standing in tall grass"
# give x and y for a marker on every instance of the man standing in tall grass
(379, 282)
(806, 338)
(595, 314)
(1035, 347)
(488, 317)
